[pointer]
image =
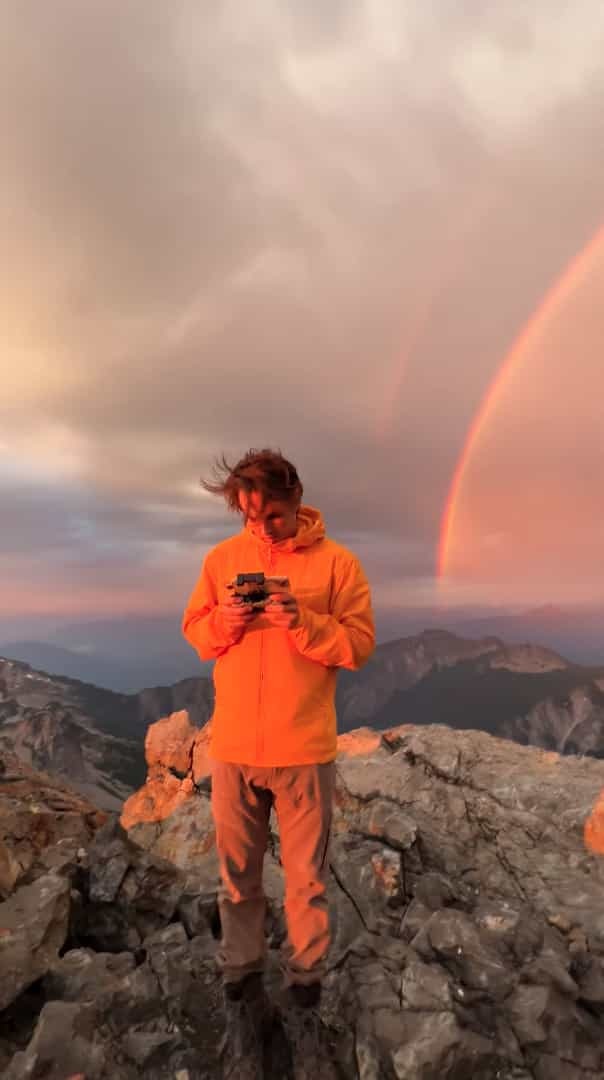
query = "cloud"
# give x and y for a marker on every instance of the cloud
(313, 226)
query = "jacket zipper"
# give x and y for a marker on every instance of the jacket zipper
(259, 727)
(268, 553)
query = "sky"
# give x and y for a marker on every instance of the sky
(317, 227)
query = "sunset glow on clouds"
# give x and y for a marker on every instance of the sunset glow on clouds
(320, 227)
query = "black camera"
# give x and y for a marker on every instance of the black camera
(255, 589)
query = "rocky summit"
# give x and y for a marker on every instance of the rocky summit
(467, 878)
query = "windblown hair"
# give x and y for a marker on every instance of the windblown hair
(264, 471)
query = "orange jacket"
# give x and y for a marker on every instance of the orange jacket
(275, 688)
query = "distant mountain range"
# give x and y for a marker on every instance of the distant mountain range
(524, 692)
(576, 633)
(127, 654)
(123, 654)
(94, 737)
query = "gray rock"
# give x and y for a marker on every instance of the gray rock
(169, 955)
(109, 857)
(434, 891)
(591, 983)
(65, 1044)
(107, 875)
(122, 993)
(432, 1042)
(465, 910)
(414, 919)
(153, 887)
(84, 975)
(368, 1059)
(384, 822)
(128, 895)
(425, 988)
(197, 911)
(453, 938)
(149, 1048)
(484, 810)
(547, 970)
(529, 1008)
(370, 876)
(136, 1000)
(33, 928)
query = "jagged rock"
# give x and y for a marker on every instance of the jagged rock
(590, 979)
(169, 743)
(425, 988)
(38, 814)
(169, 956)
(149, 1049)
(415, 917)
(33, 928)
(110, 861)
(186, 839)
(10, 870)
(460, 881)
(177, 759)
(574, 725)
(198, 911)
(452, 938)
(548, 970)
(73, 731)
(368, 1060)
(370, 875)
(428, 1045)
(128, 893)
(84, 975)
(65, 1044)
(466, 915)
(152, 886)
(492, 817)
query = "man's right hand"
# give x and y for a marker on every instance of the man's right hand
(235, 616)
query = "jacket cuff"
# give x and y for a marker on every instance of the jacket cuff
(303, 632)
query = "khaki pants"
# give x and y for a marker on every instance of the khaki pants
(242, 797)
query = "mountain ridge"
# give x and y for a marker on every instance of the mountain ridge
(129, 653)
(95, 737)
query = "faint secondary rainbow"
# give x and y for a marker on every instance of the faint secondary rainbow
(452, 247)
(571, 277)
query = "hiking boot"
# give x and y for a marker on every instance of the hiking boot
(247, 1019)
(306, 1035)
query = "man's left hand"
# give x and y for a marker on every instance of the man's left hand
(282, 610)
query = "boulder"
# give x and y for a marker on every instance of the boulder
(126, 893)
(40, 820)
(66, 1045)
(178, 763)
(33, 928)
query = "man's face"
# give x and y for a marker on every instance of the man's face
(274, 521)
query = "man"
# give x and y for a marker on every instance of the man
(273, 737)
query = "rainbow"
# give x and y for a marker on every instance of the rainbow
(578, 268)
(452, 247)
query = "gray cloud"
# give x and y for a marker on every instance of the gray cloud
(313, 226)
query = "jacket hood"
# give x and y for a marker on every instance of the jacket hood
(311, 528)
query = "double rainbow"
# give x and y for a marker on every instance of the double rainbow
(571, 278)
